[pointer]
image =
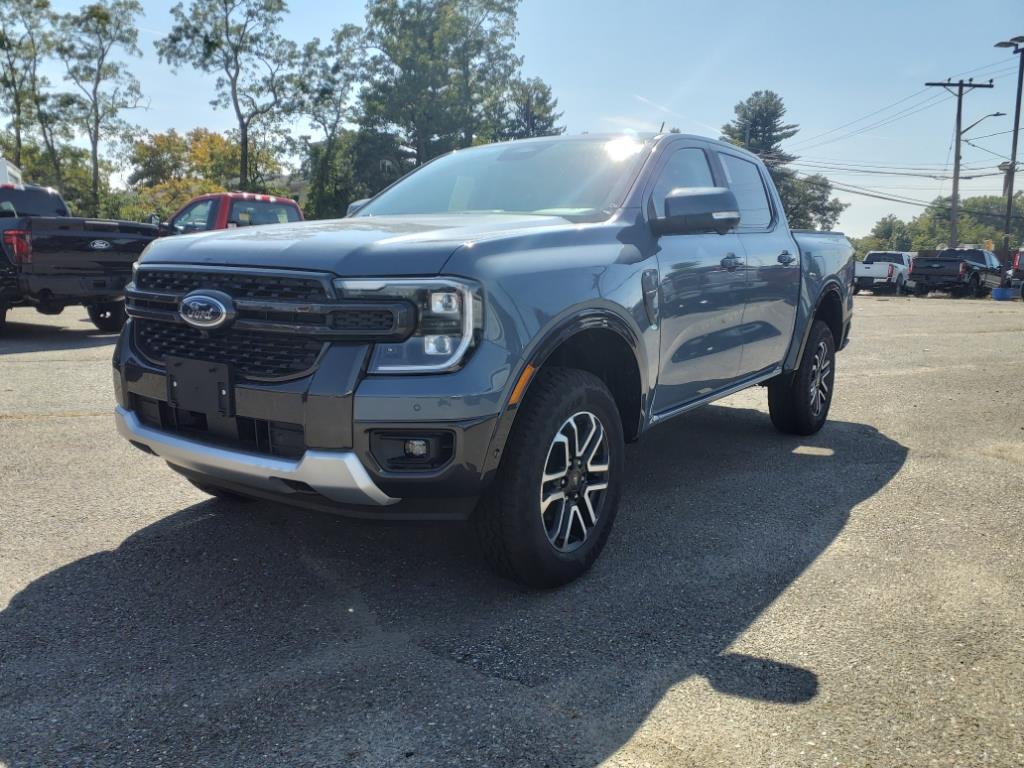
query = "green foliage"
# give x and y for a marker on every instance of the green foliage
(528, 109)
(439, 65)
(759, 126)
(88, 41)
(162, 199)
(981, 221)
(255, 66)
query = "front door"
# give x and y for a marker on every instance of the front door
(772, 265)
(701, 280)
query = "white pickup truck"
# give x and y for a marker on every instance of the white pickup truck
(884, 271)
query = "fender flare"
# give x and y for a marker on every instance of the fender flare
(831, 286)
(577, 321)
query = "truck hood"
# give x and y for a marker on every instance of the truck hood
(357, 247)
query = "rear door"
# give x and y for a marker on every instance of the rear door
(701, 286)
(772, 286)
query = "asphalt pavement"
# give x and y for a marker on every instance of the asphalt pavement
(851, 599)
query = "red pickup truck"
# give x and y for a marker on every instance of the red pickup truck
(226, 210)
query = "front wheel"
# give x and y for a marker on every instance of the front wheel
(546, 518)
(798, 402)
(108, 316)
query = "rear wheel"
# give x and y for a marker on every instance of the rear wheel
(108, 316)
(546, 518)
(973, 287)
(799, 402)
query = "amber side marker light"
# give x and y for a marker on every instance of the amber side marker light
(520, 388)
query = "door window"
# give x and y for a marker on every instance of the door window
(686, 168)
(745, 181)
(198, 217)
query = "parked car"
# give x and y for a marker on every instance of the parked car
(1016, 272)
(884, 271)
(50, 259)
(961, 271)
(484, 336)
(228, 210)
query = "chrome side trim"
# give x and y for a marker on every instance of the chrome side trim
(337, 475)
(657, 418)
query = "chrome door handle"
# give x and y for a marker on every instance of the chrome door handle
(730, 262)
(786, 258)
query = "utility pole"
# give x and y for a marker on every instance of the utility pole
(962, 87)
(1017, 43)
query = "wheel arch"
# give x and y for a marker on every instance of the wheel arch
(594, 339)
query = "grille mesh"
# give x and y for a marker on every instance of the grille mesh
(250, 353)
(363, 320)
(238, 286)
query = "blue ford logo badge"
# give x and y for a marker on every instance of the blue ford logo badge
(99, 245)
(207, 310)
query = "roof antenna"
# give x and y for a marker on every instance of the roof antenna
(662, 129)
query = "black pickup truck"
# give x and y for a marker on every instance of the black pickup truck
(50, 259)
(970, 272)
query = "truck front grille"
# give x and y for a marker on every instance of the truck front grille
(252, 354)
(268, 287)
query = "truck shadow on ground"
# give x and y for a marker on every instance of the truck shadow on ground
(229, 635)
(22, 335)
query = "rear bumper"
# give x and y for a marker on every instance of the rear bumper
(73, 289)
(939, 282)
(336, 475)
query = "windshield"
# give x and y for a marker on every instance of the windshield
(29, 201)
(580, 179)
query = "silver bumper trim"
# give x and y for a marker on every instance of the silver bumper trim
(337, 475)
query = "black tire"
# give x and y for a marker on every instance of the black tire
(973, 288)
(3, 317)
(109, 316)
(920, 291)
(901, 288)
(791, 404)
(521, 539)
(856, 290)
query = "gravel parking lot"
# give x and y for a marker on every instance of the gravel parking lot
(852, 599)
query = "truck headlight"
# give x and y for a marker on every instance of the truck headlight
(449, 321)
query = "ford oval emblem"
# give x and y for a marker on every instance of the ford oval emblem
(207, 310)
(99, 245)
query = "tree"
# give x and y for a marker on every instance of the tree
(531, 111)
(437, 66)
(20, 32)
(759, 126)
(105, 87)
(159, 158)
(328, 74)
(255, 65)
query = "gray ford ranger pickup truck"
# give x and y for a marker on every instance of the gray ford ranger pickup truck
(482, 338)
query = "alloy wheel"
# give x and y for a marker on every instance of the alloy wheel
(821, 379)
(575, 481)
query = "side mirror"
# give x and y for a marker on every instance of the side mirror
(699, 209)
(153, 218)
(353, 207)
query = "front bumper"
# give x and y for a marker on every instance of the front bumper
(336, 475)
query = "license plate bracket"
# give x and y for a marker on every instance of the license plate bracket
(200, 385)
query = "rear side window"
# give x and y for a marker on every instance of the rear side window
(686, 168)
(746, 183)
(32, 202)
(894, 258)
(248, 213)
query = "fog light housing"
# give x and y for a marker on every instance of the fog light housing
(397, 451)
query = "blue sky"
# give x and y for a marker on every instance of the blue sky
(615, 65)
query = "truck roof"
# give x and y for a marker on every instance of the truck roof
(246, 196)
